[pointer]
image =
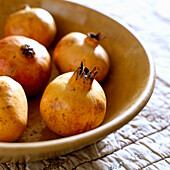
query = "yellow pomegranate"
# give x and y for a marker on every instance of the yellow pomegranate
(73, 103)
(34, 23)
(13, 109)
(76, 47)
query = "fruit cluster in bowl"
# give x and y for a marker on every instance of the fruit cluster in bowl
(74, 102)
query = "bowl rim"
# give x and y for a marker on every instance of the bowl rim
(109, 126)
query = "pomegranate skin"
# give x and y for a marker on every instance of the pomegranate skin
(31, 71)
(70, 106)
(34, 23)
(13, 110)
(76, 47)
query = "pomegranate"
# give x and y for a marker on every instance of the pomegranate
(73, 103)
(35, 23)
(76, 47)
(26, 61)
(13, 109)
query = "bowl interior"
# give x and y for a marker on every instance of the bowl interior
(129, 83)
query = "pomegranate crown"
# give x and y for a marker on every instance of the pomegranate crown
(95, 36)
(27, 50)
(86, 73)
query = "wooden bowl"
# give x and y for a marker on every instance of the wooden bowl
(128, 86)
